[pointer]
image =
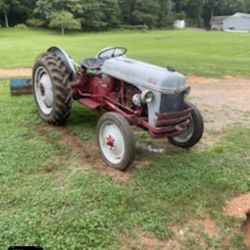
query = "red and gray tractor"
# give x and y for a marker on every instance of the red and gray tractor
(131, 92)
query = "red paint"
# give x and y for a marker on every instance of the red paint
(94, 91)
(110, 141)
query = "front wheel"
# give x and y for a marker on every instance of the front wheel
(194, 133)
(115, 140)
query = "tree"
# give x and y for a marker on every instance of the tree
(165, 16)
(99, 14)
(45, 8)
(112, 13)
(194, 10)
(64, 20)
(146, 12)
(5, 6)
(127, 8)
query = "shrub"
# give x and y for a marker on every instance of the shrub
(36, 22)
(21, 26)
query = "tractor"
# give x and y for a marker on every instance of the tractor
(131, 92)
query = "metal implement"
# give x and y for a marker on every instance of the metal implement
(20, 86)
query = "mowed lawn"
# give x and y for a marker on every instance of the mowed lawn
(194, 52)
(51, 195)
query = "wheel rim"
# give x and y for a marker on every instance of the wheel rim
(187, 135)
(112, 142)
(43, 90)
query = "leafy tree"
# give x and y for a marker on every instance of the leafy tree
(45, 8)
(5, 6)
(103, 14)
(179, 5)
(146, 12)
(229, 7)
(165, 16)
(99, 14)
(112, 13)
(194, 10)
(64, 20)
(127, 8)
(92, 15)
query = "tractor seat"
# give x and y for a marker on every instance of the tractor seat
(91, 63)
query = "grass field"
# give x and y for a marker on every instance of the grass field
(53, 196)
(48, 196)
(191, 51)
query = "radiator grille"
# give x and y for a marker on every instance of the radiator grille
(172, 103)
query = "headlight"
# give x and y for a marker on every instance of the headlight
(136, 99)
(147, 96)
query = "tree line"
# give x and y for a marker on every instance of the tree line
(105, 14)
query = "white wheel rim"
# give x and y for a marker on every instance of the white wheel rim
(43, 89)
(111, 142)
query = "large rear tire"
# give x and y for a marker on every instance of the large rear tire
(194, 133)
(51, 88)
(115, 140)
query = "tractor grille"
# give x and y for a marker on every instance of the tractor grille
(172, 103)
(173, 117)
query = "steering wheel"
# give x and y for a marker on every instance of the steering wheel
(121, 51)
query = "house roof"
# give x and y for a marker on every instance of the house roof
(218, 19)
(239, 14)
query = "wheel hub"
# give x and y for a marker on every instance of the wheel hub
(44, 90)
(110, 141)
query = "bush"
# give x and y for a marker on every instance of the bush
(21, 26)
(35, 22)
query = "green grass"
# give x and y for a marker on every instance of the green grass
(211, 54)
(83, 209)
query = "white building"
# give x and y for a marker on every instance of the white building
(237, 22)
(179, 24)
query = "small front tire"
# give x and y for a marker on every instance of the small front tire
(194, 133)
(115, 140)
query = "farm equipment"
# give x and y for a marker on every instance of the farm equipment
(20, 86)
(132, 92)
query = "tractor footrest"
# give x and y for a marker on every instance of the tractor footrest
(89, 103)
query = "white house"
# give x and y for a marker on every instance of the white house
(237, 22)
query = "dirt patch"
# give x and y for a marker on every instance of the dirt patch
(15, 72)
(148, 241)
(238, 207)
(51, 168)
(222, 103)
(195, 230)
(210, 228)
(246, 229)
(87, 152)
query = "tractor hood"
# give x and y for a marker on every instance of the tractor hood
(144, 75)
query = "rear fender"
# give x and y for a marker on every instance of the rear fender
(68, 61)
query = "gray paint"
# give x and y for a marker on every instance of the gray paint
(66, 59)
(237, 22)
(216, 22)
(146, 77)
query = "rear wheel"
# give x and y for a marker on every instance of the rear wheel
(51, 88)
(194, 133)
(115, 140)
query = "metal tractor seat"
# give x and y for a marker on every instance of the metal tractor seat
(91, 63)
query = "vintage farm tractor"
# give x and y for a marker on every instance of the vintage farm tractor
(132, 92)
